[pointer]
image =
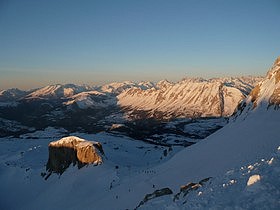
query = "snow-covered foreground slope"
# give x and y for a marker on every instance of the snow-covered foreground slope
(251, 186)
(22, 162)
(236, 144)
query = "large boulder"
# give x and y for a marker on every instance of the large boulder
(73, 150)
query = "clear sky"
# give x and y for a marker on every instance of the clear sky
(98, 41)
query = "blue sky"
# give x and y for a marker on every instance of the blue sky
(100, 41)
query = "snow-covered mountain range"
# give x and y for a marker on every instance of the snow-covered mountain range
(237, 167)
(97, 108)
(189, 97)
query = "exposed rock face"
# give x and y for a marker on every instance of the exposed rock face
(267, 93)
(86, 152)
(155, 194)
(73, 150)
(185, 189)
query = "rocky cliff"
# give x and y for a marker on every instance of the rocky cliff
(73, 150)
(265, 95)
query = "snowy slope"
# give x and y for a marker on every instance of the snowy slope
(252, 186)
(91, 99)
(234, 145)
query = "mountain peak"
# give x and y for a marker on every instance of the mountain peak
(57, 91)
(266, 93)
(163, 83)
(277, 61)
(193, 79)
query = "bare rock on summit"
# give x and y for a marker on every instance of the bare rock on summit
(86, 152)
(268, 90)
(73, 150)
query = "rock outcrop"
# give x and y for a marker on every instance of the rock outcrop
(73, 150)
(266, 93)
(185, 189)
(155, 194)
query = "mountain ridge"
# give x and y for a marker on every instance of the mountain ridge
(190, 97)
(97, 108)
